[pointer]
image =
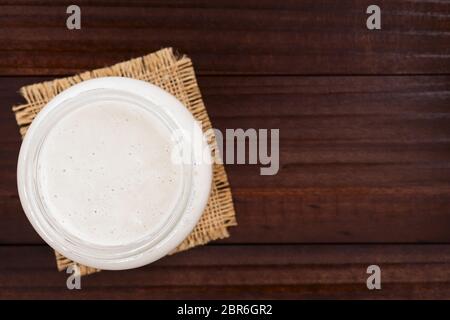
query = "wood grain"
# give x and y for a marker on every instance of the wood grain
(363, 159)
(244, 37)
(364, 119)
(256, 272)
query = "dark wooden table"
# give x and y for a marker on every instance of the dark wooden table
(364, 120)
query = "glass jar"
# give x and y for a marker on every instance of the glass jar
(174, 226)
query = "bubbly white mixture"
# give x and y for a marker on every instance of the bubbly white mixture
(106, 174)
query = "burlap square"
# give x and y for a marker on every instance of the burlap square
(176, 75)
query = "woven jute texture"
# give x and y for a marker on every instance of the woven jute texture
(175, 74)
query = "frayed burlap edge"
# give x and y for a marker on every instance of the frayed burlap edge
(176, 75)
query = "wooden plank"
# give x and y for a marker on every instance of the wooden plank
(308, 216)
(383, 180)
(288, 271)
(245, 37)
